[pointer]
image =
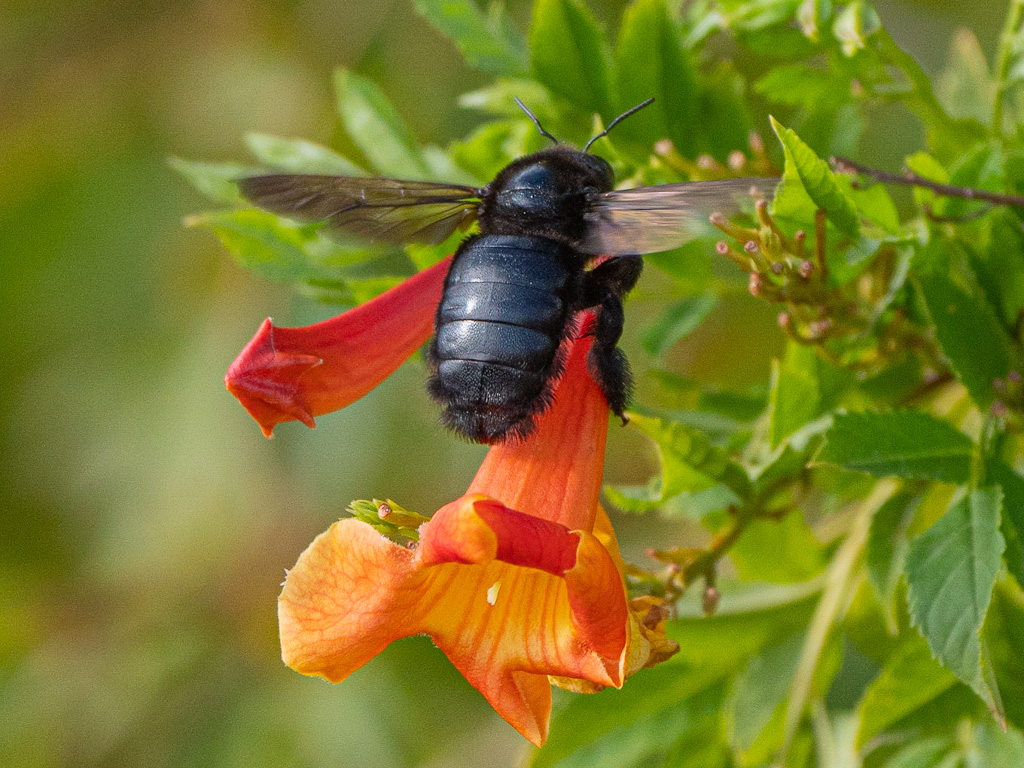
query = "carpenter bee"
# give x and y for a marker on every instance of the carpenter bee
(513, 290)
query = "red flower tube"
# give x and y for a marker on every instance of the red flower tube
(295, 374)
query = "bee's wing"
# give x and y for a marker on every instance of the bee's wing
(380, 210)
(659, 218)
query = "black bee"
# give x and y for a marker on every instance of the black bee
(513, 290)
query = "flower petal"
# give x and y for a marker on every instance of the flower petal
(556, 472)
(509, 598)
(288, 374)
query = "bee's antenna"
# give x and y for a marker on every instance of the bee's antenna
(536, 122)
(617, 120)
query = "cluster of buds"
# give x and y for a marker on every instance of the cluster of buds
(683, 566)
(783, 271)
(706, 168)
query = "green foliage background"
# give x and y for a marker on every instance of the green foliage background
(147, 522)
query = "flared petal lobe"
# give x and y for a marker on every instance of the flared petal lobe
(519, 581)
(506, 614)
(296, 374)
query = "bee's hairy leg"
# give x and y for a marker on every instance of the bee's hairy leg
(603, 287)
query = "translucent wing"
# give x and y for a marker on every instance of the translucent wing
(652, 219)
(381, 210)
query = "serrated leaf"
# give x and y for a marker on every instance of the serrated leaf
(886, 551)
(910, 679)
(969, 334)
(795, 394)
(569, 54)
(951, 570)
(905, 444)
(756, 700)
(1000, 267)
(216, 181)
(375, 128)
(677, 321)
(487, 41)
(1003, 634)
(299, 156)
(651, 63)
(1013, 515)
(817, 180)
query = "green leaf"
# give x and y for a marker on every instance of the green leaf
(669, 702)
(689, 462)
(886, 551)
(569, 54)
(830, 609)
(376, 130)
(632, 726)
(966, 89)
(725, 120)
(910, 679)
(216, 181)
(926, 753)
(756, 15)
(969, 334)
(299, 156)
(1013, 515)
(906, 444)
(799, 85)
(756, 702)
(982, 167)
(1004, 635)
(488, 42)
(997, 748)
(676, 323)
(951, 569)
(1000, 268)
(817, 180)
(795, 395)
(264, 244)
(777, 551)
(498, 99)
(651, 62)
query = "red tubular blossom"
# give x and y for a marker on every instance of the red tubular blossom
(296, 374)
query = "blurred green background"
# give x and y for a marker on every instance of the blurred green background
(146, 523)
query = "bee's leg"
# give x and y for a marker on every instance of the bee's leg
(604, 287)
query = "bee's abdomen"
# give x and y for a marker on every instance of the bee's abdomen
(499, 325)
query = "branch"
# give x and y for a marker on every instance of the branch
(845, 165)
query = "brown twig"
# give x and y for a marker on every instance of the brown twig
(908, 177)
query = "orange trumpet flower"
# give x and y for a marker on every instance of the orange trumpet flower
(519, 581)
